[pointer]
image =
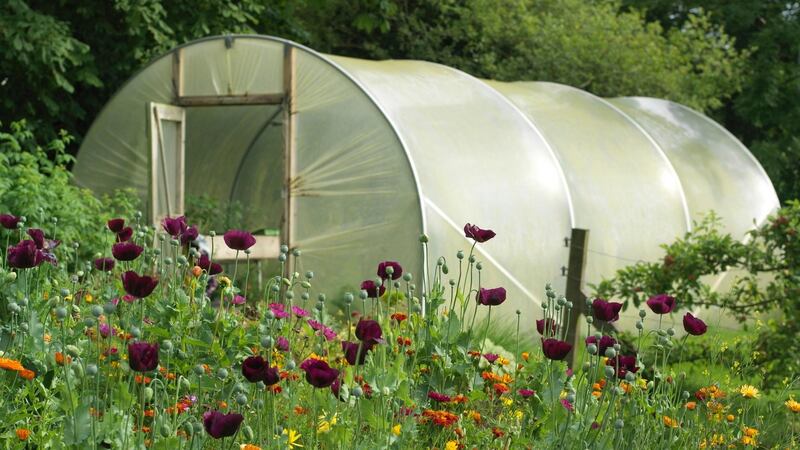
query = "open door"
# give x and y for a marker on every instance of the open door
(167, 130)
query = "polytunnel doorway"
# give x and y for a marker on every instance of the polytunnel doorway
(251, 136)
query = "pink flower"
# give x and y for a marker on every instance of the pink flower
(567, 405)
(491, 357)
(441, 398)
(238, 300)
(299, 312)
(525, 393)
(278, 310)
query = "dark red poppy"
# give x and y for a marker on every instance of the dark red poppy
(336, 387)
(661, 303)
(125, 234)
(548, 325)
(41, 243)
(189, 235)
(211, 267)
(104, 264)
(115, 225)
(256, 368)
(174, 226)
(9, 221)
(438, 397)
(25, 255)
(491, 297)
(477, 234)
(142, 356)
(606, 311)
(693, 325)
(397, 271)
(369, 331)
(555, 349)
(318, 373)
(604, 343)
(373, 290)
(126, 251)
(350, 350)
(220, 425)
(623, 364)
(239, 240)
(138, 286)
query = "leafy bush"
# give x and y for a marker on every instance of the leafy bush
(766, 279)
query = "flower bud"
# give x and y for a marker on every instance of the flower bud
(642, 313)
(11, 276)
(639, 325)
(222, 373)
(148, 393)
(72, 351)
(609, 371)
(320, 306)
(267, 341)
(630, 377)
(587, 366)
(97, 310)
(135, 332)
(291, 365)
(389, 270)
(479, 265)
(445, 270)
(289, 295)
(357, 391)
(109, 308)
(348, 298)
(304, 296)
(460, 254)
(91, 370)
(197, 427)
(241, 399)
(14, 308)
(61, 313)
(296, 252)
(185, 384)
(591, 349)
(671, 331)
(611, 353)
(282, 257)
(589, 320)
(167, 345)
(321, 298)
(248, 432)
(199, 370)
(165, 430)
(407, 276)
(309, 275)
(284, 248)
(423, 238)
(619, 423)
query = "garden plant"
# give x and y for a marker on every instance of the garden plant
(153, 344)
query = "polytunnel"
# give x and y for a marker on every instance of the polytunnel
(351, 160)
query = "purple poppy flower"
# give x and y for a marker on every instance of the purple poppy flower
(25, 255)
(350, 350)
(369, 331)
(548, 325)
(567, 405)
(491, 357)
(525, 393)
(239, 240)
(125, 234)
(256, 368)
(477, 234)
(438, 397)
(336, 388)
(491, 297)
(279, 311)
(328, 333)
(623, 364)
(9, 221)
(220, 425)
(104, 264)
(174, 226)
(693, 325)
(238, 300)
(126, 251)
(211, 267)
(555, 349)
(41, 243)
(115, 225)
(373, 290)
(605, 343)
(142, 356)
(318, 373)
(282, 344)
(299, 312)
(396, 270)
(190, 235)
(138, 286)
(606, 311)
(661, 303)
(106, 330)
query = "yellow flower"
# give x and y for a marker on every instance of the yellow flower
(750, 432)
(507, 401)
(396, 430)
(747, 440)
(670, 422)
(226, 281)
(730, 417)
(749, 391)
(793, 405)
(451, 445)
(292, 438)
(642, 383)
(519, 414)
(88, 298)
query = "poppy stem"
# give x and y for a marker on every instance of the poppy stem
(486, 331)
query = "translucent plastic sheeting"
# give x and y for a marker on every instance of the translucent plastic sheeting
(624, 190)
(717, 172)
(479, 161)
(355, 196)
(115, 153)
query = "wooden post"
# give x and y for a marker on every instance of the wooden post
(289, 85)
(577, 261)
(177, 73)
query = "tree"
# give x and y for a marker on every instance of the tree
(765, 115)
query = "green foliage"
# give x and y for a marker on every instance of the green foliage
(586, 44)
(209, 214)
(35, 183)
(765, 269)
(766, 113)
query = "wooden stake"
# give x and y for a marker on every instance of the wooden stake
(575, 269)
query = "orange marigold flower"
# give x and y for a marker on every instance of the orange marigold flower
(475, 416)
(299, 410)
(497, 432)
(197, 271)
(149, 413)
(399, 317)
(691, 406)
(669, 422)
(730, 417)
(525, 356)
(47, 338)
(249, 447)
(23, 434)
(793, 405)
(503, 361)
(626, 387)
(440, 417)
(751, 432)
(275, 389)
(596, 394)
(501, 388)
(11, 364)
(139, 379)
(596, 387)
(460, 398)
(474, 353)
(27, 374)
(207, 369)
(222, 404)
